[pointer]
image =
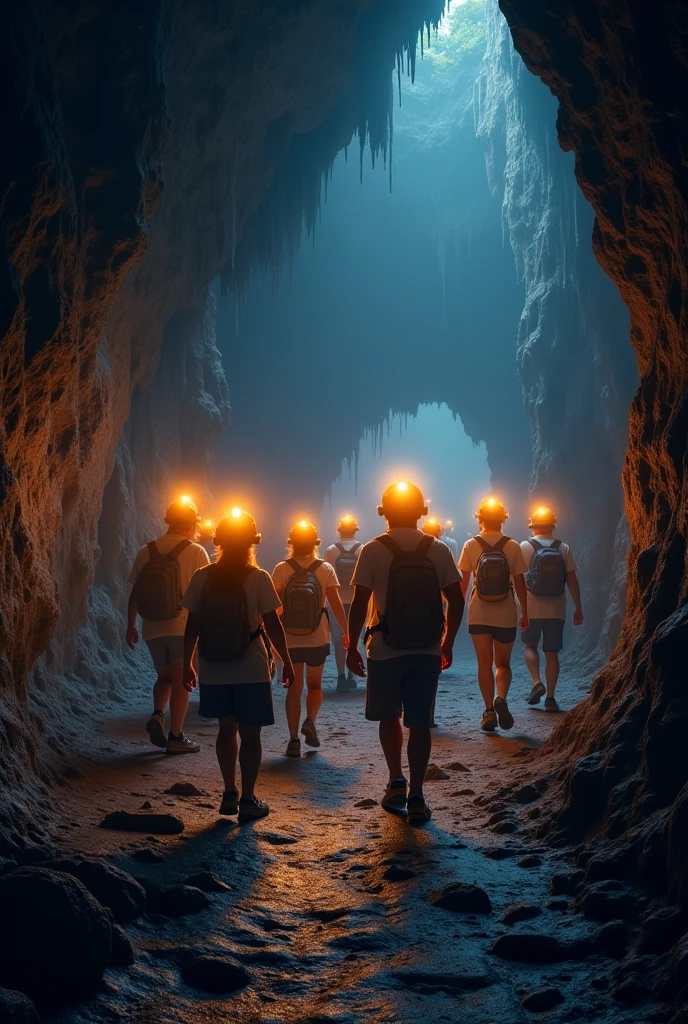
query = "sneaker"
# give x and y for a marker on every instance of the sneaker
(230, 802)
(418, 810)
(395, 795)
(506, 719)
(351, 682)
(181, 744)
(342, 683)
(294, 748)
(551, 704)
(251, 810)
(536, 694)
(308, 730)
(155, 727)
(489, 721)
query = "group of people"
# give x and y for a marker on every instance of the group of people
(211, 616)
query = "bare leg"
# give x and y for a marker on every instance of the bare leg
(551, 671)
(250, 754)
(226, 748)
(340, 656)
(392, 741)
(179, 700)
(419, 748)
(162, 689)
(293, 702)
(532, 659)
(314, 696)
(502, 657)
(484, 651)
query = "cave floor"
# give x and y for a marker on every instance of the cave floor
(310, 914)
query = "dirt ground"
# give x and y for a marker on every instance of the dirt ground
(312, 912)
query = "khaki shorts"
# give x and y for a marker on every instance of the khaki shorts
(166, 650)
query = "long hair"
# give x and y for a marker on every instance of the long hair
(234, 558)
(303, 550)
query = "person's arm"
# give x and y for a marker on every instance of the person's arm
(522, 595)
(358, 613)
(275, 632)
(574, 588)
(465, 581)
(455, 607)
(335, 603)
(190, 641)
(132, 611)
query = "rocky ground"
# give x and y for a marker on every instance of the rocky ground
(332, 910)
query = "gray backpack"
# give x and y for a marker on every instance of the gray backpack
(302, 601)
(546, 576)
(160, 584)
(492, 573)
(346, 563)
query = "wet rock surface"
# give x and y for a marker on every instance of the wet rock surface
(16, 1008)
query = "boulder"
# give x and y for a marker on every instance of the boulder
(55, 940)
(215, 974)
(660, 931)
(542, 999)
(206, 881)
(462, 898)
(521, 912)
(528, 794)
(179, 900)
(530, 861)
(16, 1008)
(134, 821)
(529, 948)
(122, 949)
(606, 901)
(612, 939)
(112, 887)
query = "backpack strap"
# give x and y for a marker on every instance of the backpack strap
(355, 547)
(315, 565)
(294, 564)
(388, 542)
(340, 548)
(556, 544)
(425, 545)
(153, 550)
(484, 546)
(501, 544)
(535, 544)
(178, 548)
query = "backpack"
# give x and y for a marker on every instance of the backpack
(302, 601)
(223, 627)
(160, 584)
(346, 563)
(414, 616)
(546, 576)
(493, 574)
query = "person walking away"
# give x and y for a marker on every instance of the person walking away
(233, 618)
(448, 539)
(207, 533)
(497, 566)
(406, 573)
(304, 582)
(159, 577)
(342, 556)
(551, 568)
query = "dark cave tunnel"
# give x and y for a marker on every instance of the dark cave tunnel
(195, 241)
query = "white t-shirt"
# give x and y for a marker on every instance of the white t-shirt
(492, 613)
(260, 599)
(547, 607)
(191, 558)
(326, 577)
(332, 554)
(372, 572)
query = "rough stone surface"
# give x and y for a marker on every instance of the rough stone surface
(520, 912)
(131, 821)
(215, 974)
(180, 899)
(112, 887)
(122, 949)
(542, 999)
(206, 881)
(16, 1008)
(463, 898)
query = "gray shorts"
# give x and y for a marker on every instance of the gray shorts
(249, 703)
(166, 650)
(551, 631)
(405, 685)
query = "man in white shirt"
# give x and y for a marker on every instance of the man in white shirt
(405, 573)
(178, 558)
(547, 602)
(497, 566)
(342, 556)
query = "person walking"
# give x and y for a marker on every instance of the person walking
(304, 583)
(159, 577)
(496, 564)
(342, 556)
(406, 573)
(232, 607)
(551, 568)
(206, 533)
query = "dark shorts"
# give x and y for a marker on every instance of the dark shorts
(249, 703)
(166, 650)
(406, 685)
(313, 656)
(551, 631)
(502, 634)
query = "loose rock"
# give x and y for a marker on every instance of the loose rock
(505, 828)
(216, 975)
(542, 999)
(612, 938)
(530, 861)
(185, 789)
(528, 794)
(207, 881)
(147, 856)
(526, 948)
(521, 912)
(131, 821)
(179, 900)
(456, 766)
(368, 802)
(398, 873)
(112, 887)
(16, 1008)
(435, 774)
(462, 898)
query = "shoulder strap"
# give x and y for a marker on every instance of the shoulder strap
(425, 545)
(316, 565)
(388, 542)
(178, 548)
(535, 544)
(153, 550)
(354, 547)
(294, 564)
(340, 548)
(556, 544)
(483, 544)
(501, 544)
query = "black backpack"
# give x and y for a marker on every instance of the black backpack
(303, 604)
(160, 584)
(414, 616)
(346, 563)
(546, 576)
(493, 574)
(224, 633)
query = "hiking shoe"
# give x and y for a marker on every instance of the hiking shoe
(342, 683)
(506, 719)
(230, 802)
(418, 810)
(489, 721)
(551, 704)
(395, 795)
(536, 694)
(308, 730)
(155, 727)
(251, 810)
(181, 744)
(351, 682)
(294, 748)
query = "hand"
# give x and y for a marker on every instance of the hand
(525, 623)
(132, 636)
(578, 618)
(288, 674)
(447, 657)
(355, 663)
(189, 678)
